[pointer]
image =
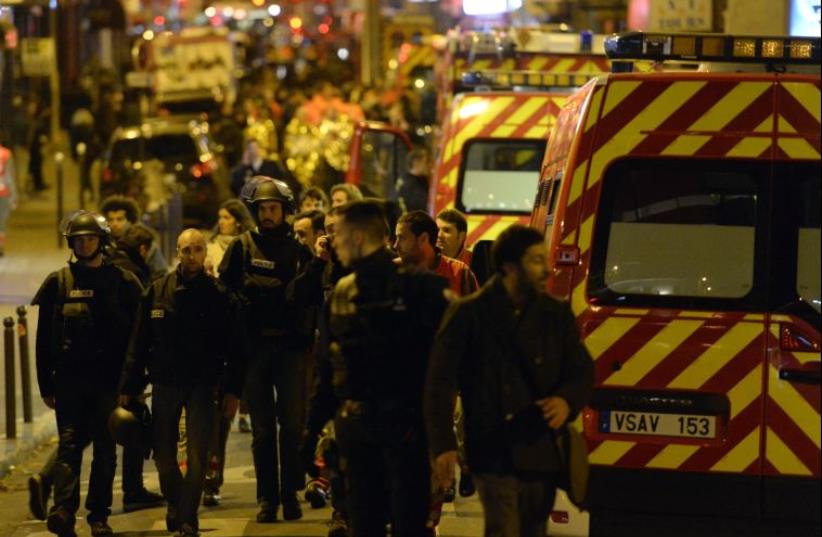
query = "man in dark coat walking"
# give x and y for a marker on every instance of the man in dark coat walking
(511, 351)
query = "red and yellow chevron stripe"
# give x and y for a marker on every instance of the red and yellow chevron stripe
(692, 115)
(489, 115)
(531, 62)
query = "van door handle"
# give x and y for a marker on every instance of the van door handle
(804, 376)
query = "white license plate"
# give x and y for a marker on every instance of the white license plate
(650, 423)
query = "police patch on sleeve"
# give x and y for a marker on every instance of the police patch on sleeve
(158, 314)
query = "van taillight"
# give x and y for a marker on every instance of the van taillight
(792, 340)
(559, 517)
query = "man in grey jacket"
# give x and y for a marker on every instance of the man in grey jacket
(511, 351)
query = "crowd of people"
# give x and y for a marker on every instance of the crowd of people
(340, 328)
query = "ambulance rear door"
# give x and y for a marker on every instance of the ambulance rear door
(675, 322)
(791, 486)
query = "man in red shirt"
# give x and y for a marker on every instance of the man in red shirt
(416, 244)
(453, 230)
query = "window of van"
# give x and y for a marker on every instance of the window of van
(499, 175)
(808, 270)
(680, 233)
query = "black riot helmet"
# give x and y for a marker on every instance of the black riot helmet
(261, 188)
(131, 425)
(82, 223)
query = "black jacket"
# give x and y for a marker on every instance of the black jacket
(82, 335)
(130, 260)
(264, 271)
(187, 333)
(475, 354)
(323, 402)
(383, 321)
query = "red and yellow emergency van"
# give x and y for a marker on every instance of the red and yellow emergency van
(682, 213)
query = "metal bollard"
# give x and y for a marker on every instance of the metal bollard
(11, 396)
(82, 184)
(25, 369)
(58, 164)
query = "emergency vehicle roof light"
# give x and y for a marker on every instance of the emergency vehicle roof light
(714, 48)
(537, 79)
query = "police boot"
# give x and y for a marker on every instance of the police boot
(144, 499)
(467, 487)
(268, 513)
(291, 507)
(61, 522)
(38, 497)
(100, 528)
(211, 498)
(338, 527)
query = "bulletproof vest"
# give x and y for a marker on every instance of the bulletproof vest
(265, 283)
(79, 339)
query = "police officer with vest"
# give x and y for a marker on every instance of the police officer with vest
(186, 335)
(262, 267)
(383, 320)
(86, 313)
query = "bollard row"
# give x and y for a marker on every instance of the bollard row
(10, 371)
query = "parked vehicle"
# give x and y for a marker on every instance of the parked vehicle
(151, 160)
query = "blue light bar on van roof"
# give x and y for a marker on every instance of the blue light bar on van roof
(534, 79)
(713, 48)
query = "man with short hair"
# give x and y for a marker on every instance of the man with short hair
(383, 319)
(313, 198)
(308, 227)
(453, 230)
(185, 336)
(511, 350)
(122, 212)
(416, 244)
(131, 250)
(344, 193)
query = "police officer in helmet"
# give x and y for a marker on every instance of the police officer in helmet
(86, 312)
(263, 267)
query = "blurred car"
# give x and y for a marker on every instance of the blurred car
(152, 160)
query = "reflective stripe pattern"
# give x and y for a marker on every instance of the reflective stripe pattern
(489, 115)
(716, 352)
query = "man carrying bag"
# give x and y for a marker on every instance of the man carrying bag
(515, 356)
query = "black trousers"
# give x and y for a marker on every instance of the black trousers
(132, 471)
(82, 418)
(276, 456)
(216, 447)
(387, 475)
(182, 494)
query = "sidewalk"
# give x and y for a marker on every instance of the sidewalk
(32, 252)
